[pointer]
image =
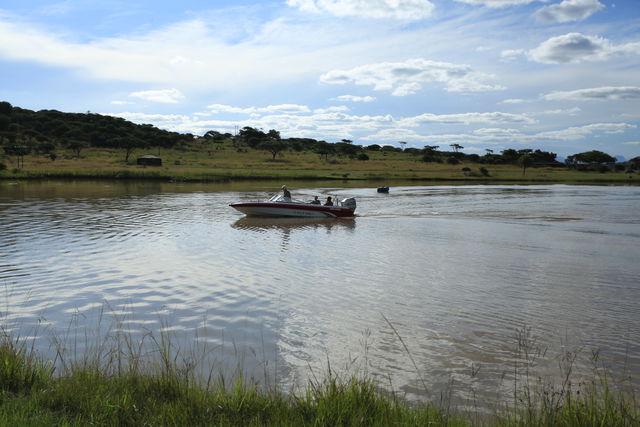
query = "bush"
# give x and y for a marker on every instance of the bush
(484, 171)
(452, 161)
(2, 166)
(363, 156)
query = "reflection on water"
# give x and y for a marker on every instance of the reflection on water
(286, 225)
(456, 270)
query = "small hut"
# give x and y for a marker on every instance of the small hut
(149, 160)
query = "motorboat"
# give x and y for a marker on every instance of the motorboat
(279, 206)
(384, 189)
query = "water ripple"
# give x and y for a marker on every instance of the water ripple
(458, 271)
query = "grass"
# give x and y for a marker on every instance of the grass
(222, 162)
(31, 394)
(120, 384)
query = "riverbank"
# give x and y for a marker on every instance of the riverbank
(226, 164)
(120, 388)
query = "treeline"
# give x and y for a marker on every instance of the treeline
(43, 132)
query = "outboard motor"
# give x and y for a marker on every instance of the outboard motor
(349, 203)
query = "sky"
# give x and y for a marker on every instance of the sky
(555, 75)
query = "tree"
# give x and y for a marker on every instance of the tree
(251, 136)
(274, 146)
(525, 161)
(323, 148)
(346, 149)
(402, 144)
(509, 155)
(488, 150)
(19, 151)
(591, 157)
(129, 144)
(76, 146)
(456, 147)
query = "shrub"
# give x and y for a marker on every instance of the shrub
(363, 156)
(452, 161)
(2, 166)
(484, 171)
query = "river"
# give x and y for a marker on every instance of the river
(427, 289)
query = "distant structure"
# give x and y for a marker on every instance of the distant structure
(149, 160)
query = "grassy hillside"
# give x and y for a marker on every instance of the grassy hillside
(206, 161)
(52, 144)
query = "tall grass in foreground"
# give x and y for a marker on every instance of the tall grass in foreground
(118, 385)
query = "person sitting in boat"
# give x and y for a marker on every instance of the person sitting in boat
(329, 202)
(315, 201)
(286, 194)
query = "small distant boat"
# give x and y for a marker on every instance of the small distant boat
(278, 206)
(383, 189)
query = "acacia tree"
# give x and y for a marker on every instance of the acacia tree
(525, 161)
(323, 148)
(274, 146)
(129, 144)
(76, 146)
(593, 156)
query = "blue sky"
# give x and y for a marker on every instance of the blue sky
(559, 75)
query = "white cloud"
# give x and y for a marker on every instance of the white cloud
(395, 134)
(193, 54)
(468, 118)
(567, 111)
(498, 3)
(329, 123)
(281, 108)
(354, 98)
(511, 53)
(165, 121)
(117, 102)
(166, 96)
(502, 136)
(569, 10)
(497, 132)
(514, 101)
(577, 47)
(385, 129)
(407, 78)
(607, 93)
(580, 132)
(406, 10)
(632, 143)
(339, 108)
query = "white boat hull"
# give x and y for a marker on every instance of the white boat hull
(292, 209)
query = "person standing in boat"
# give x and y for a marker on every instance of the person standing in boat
(286, 194)
(329, 202)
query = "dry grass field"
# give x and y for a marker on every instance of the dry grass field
(224, 162)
